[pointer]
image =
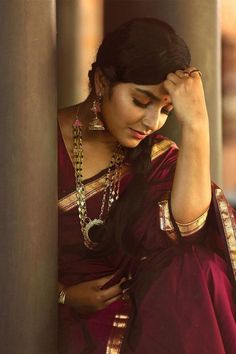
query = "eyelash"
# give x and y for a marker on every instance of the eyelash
(140, 104)
(145, 105)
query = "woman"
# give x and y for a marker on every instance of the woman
(146, 245)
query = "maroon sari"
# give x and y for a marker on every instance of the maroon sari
(180, 289)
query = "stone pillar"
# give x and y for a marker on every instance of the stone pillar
(197, 21)
(28, 188)
(79, 32)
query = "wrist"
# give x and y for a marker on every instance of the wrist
(196, 135)
(195, 125)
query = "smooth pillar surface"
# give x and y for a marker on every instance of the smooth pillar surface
(198, 22)
(79, 33)
(28, 184)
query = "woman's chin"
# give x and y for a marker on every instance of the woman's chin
(130, 143)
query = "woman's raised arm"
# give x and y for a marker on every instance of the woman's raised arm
(191, 191)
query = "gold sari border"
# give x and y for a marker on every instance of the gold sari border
(159, 148)
(186, 229)
(165, 220)
(193, 226)
(69, 202)
(118, 330)
(229, 226)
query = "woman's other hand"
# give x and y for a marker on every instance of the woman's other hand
(88, 297)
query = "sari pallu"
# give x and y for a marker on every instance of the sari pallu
(180, 294)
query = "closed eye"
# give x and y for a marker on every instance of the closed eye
(164, 110)
(140, 104)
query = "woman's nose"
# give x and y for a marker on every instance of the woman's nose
(151, 120)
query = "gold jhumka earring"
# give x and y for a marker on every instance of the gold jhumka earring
(96, 123)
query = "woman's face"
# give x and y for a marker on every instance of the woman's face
(131, 111)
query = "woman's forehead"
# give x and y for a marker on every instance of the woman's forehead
(153, 91)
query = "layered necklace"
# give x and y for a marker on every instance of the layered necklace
(111, 185)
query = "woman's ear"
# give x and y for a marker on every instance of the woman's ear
(100, 82)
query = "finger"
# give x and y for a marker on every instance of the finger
(122, 280)
(182, 74)
(99, 283)
(106, 294)
(169, 86)
(188, 70)
(175, 79)
(113, 281)
(195, 74)
(125, 284)
(113, 299)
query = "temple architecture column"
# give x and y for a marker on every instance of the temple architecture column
(79, 33)
(198, 22)
(28, 188)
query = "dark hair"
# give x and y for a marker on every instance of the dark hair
(141, 51)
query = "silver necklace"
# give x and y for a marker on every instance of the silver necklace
(111, 186)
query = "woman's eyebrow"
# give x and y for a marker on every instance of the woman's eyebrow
(149, 94)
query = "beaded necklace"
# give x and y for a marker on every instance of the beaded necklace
(111, 185)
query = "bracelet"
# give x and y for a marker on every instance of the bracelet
(186, 229)
(193, 226)
(62, 297)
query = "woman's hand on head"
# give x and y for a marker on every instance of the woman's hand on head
(187, 95)
(88, 297)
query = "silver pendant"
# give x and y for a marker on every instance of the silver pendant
(87, 240)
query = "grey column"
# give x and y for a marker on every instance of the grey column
(28, 188)
(197, 21)
(79, 32)
(68, 44)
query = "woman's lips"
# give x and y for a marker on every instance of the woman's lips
(137, 134)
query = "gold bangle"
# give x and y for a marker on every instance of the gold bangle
(62, 296)
(193, 226)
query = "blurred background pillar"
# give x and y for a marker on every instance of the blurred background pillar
(198, 22)
(28, 188)
(79, 31)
